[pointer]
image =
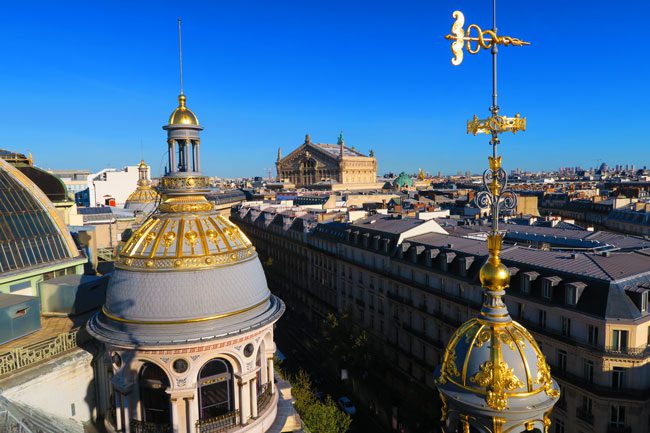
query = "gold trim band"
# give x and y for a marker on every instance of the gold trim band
(179, 322)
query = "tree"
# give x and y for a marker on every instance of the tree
(318, 417)
(326, 418)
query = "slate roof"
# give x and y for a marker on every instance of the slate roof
(335, 149)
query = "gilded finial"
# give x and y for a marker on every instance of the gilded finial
(484, 39)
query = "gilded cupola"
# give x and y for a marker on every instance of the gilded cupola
(144, 199)
(185, 265)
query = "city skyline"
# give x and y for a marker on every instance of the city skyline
(262, 78)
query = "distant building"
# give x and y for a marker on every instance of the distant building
(109, 187)
(74, 180)
(328, 166)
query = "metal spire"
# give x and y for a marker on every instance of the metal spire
(492, 374)
(180, 53)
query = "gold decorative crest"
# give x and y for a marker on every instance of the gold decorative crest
(496, 124)
(449, 368)
(497, 378)
(544, 377)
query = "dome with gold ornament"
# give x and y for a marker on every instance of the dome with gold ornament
(144, 199)
(186, 273)
(182, 115)
(492, 364)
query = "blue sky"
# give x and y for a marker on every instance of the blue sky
(88, 84)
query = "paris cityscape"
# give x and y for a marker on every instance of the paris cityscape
(323, 217)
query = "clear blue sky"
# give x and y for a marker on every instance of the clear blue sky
(84, 83)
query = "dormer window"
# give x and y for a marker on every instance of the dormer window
(639, 295)
(547, 286)
(526, 279)
(573, 292)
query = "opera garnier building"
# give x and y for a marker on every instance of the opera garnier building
(187, 326)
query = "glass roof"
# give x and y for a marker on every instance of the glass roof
(28, 235)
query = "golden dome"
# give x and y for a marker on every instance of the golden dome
(498, 361)
(183, 115)
(143, 194)
(185, 233)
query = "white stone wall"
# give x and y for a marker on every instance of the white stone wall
(117, 184)
(57, 386)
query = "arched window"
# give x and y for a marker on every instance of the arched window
(153, 396)
(215, 383)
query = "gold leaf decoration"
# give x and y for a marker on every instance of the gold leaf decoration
(449, 367)
(497, 378)
(544, 377)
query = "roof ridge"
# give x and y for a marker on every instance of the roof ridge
(589, 256)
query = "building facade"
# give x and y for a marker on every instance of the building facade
(327, 166)
(586, 307)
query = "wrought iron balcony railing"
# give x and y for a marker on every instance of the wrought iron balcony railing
(263, 398)
(219, 423)
(149, 427)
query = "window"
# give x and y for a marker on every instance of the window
(644, 301)
(619, 340)
(588, 370)
(559, 425)
(520, 310)
(587, 404)
(546, 289)
(571, 294)
(566, 326)
(542, 319)
(561, 360)
(592, 336)
(617, 417)
(525, 284)
(618, 377)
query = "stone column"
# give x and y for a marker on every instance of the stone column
(187, 402)
(271, 374)
(127, 413)
(186, 155)
(198, 155)
(174, 403)
(172, 156)
(253, 391)
(244, 401)
(118, 411)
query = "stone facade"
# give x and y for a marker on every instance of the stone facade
(411, 293)
(327, 166)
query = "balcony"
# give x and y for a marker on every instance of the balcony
(632, 352)
(219, 423)
(612, 428)
(585, 415)
(263, 398)
(149, 427)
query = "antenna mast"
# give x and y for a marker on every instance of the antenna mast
(180, 52)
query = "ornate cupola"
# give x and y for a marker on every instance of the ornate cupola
(144, 199)
(493, 377)
(187, 324)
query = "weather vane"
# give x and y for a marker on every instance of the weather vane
(496, 195)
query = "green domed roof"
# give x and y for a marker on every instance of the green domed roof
(403, 181)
